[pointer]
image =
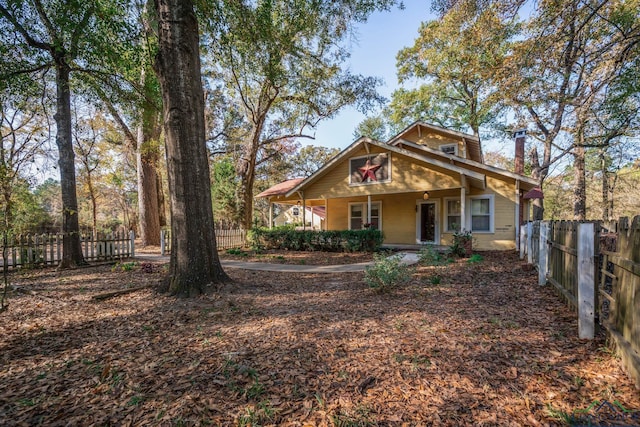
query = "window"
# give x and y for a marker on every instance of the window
(358, 215)
(453, 215)
(450, 149)
(481, 214)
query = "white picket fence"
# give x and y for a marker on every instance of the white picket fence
(225, 239)
(33, 250)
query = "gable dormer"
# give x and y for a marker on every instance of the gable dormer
(437, 138)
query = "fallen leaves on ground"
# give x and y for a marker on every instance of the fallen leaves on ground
(297, 257)
(481, 344)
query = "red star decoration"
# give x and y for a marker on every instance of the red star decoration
(369, 171)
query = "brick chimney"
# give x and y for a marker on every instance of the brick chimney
(520, 135)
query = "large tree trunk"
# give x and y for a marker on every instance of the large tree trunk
(148, 209)
(605, 186)
(195, 267)
(538, 175)
(580, 184)
(71, 250)
(94, 205)
(246, 170)
(147, 165)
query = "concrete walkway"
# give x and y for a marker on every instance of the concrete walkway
(408, 258)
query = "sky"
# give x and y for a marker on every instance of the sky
(374, 54)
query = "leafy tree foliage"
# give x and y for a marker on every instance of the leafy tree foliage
(65, 36)
(559, 74)
(374, 127)
(282, 65)
(309, 159)
(456, 56)
(566, 70)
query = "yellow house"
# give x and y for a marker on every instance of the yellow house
(418, 188)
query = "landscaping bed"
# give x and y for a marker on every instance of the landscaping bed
(297, 257)
(462, 344)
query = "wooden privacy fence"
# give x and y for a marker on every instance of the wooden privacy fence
(46, 249)
(225, 239)
(619, 289)
(595, 267)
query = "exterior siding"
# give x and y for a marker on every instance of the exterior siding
(434, 140)
(399, 216)
(409, 180)
(406, 175)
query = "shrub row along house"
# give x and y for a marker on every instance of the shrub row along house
(419, 187)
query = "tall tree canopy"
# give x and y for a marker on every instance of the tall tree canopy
(282, 64)
(66, 37)
(568, 57)
(456, 57)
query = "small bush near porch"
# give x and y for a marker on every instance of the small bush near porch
(367, 240)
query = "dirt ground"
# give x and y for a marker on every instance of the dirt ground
(462, 344)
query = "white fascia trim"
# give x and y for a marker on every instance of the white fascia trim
(469, 162)
(436, 128)
(448, 166)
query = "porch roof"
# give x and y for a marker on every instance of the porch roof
(281, 188)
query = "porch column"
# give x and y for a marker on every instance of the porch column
(270, 215)
(304, 212)
(311, 207)
(463, 208)
(369, 209)
(326, 216)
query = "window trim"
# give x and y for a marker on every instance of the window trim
(365, 213)
(492, 213)
(446, 213)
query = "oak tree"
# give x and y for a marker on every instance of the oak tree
(194, 266)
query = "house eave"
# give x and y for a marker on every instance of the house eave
(523, 179)
(477, 178)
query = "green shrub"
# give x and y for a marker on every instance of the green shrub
(309, 240)
(475, 259)
(236, 251)
(387, 273)
(462, 245)
(429, 256)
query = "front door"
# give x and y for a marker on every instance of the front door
(427, 225)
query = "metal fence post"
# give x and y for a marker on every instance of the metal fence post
(586, 281)
(543, 254)
(162, 248)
